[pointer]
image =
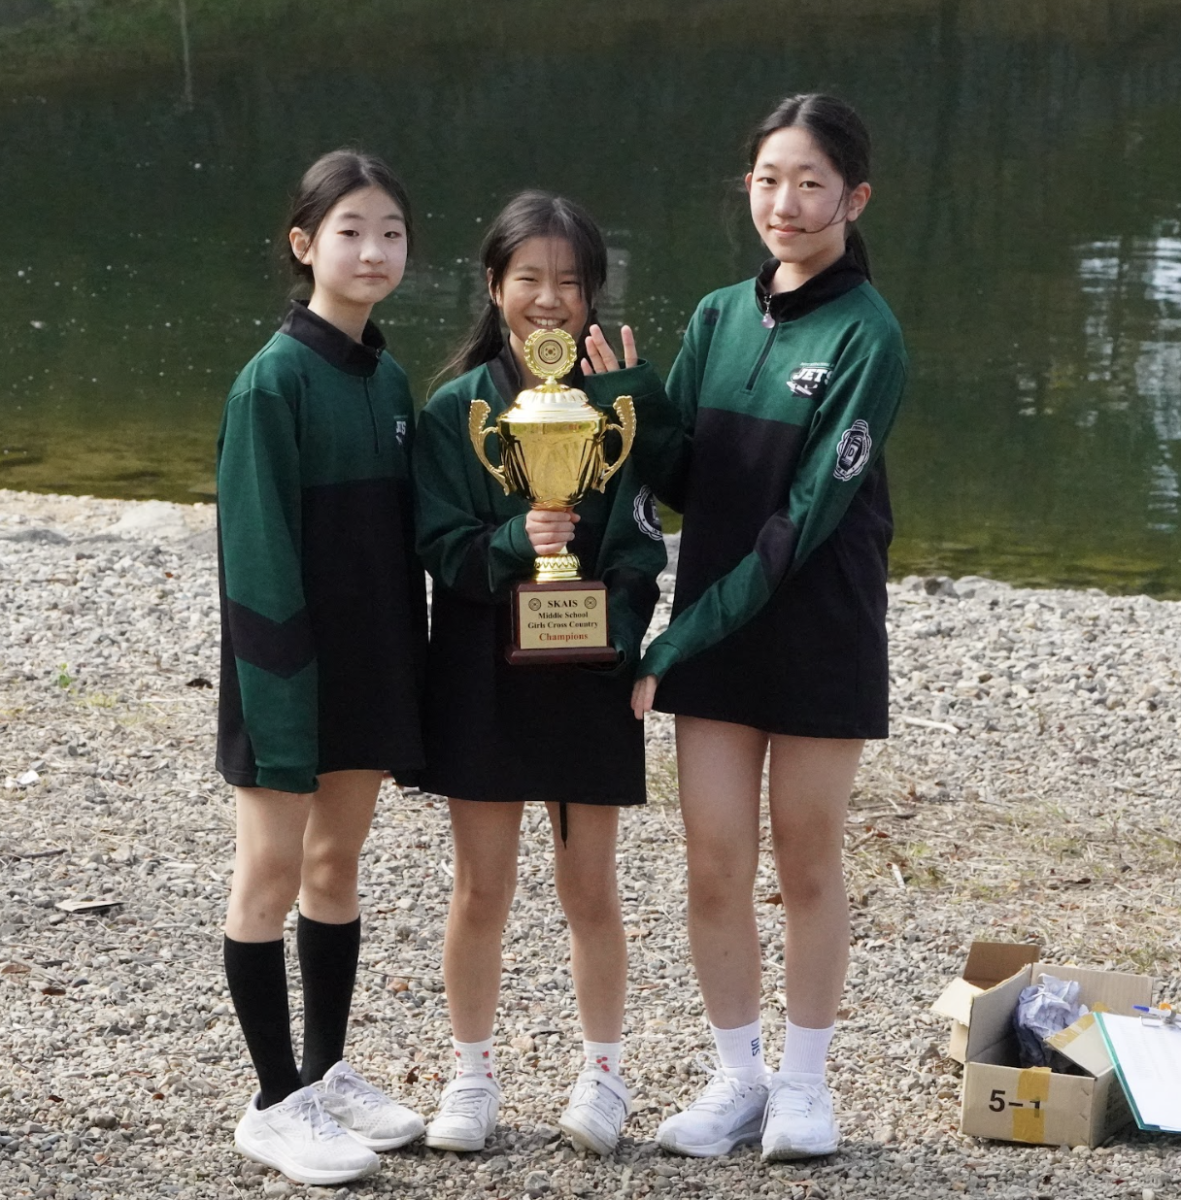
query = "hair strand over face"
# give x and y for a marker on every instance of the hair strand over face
(841, 136)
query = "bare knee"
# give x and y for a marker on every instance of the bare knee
(809, 867)
(806, 887)
(590, 905)
(482, 904)
(264, 888)
(720, 870)
(329, 876)
(719, 881)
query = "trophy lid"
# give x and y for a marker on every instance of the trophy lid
(550, 354)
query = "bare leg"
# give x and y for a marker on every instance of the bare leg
(485, 836)
(810, 783)
(341, 814)
(721, 767)
(584, 871)
(270, 832)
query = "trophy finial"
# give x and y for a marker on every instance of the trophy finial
(550, 354)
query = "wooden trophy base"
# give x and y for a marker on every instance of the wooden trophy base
(564, 622)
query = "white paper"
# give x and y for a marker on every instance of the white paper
(1148, 1059)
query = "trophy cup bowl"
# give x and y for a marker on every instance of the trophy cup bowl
(551, 453)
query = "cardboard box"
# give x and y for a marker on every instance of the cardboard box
(989, 964)
(1036, 1105)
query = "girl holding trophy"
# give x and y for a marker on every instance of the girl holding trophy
(768, 437)
(498, 735)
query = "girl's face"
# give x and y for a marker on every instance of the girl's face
(358, 254)
(799, 203)
(541, 289)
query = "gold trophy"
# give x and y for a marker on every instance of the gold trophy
(551, 452)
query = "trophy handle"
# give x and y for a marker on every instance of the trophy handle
(478, 432)
(625, 410)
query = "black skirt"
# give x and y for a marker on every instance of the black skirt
(813, 662)
(499, 732)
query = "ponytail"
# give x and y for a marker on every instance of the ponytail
(857, 250)
(482, 344)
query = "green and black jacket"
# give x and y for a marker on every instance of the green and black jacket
(323, 600)
(764, 438)
(497, 732)
(472, 536)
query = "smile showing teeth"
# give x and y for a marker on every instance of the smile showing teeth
(545, 322)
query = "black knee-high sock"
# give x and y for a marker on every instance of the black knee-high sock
(257, 977)
(328, 964)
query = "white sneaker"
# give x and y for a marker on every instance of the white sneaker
(467, 1114)
(368, 1114)
(599, 1105)
(296, 1136)
(799, 1121)
(728, 1113)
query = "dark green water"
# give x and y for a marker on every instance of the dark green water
(1025, 225)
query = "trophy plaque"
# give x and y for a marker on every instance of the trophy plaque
(551, 453)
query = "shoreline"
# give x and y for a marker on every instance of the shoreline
(1029, 791)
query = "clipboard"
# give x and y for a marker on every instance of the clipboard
(1147, 1059)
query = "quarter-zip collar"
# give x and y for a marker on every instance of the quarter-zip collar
(843, 276)
(332, 344)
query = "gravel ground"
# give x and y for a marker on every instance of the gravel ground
(1029, 793)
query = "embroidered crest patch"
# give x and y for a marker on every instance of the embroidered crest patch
(853, 451)
(644, 511)
(808, 379)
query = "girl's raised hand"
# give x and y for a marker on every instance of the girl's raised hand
(643, 694)
(550, 530)
(600, 358)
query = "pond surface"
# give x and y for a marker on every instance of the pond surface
(1025, 226)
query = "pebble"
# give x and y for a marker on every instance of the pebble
(1028, 793)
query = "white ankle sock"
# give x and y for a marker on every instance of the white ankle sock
(474, 1058)
(805, 1050)
(741, 1050)
(605, 1055)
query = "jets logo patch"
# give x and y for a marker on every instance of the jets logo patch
(808, 379)
(644, 511)
(853, 451)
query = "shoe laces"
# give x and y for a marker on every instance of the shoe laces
(349, 1083)
(465, 1102)
(602, 1096)
(792, 1100)
(722, 1091)
(312, 1110)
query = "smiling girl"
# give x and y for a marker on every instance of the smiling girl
(499, 735)
(323, 648)
(769, 439)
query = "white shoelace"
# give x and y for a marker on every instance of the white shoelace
(722, 1092)
(323, 1124)
(465, 1102)
(795, 1101)
(358, 1089)
(604, 1095)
